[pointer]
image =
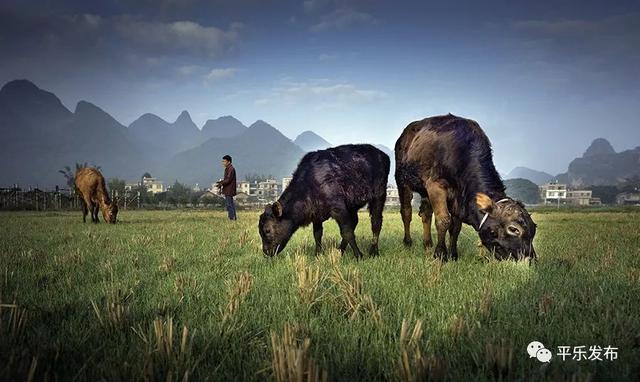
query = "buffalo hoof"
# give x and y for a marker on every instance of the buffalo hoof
(427, 244)
(407, 242)
(441, 254)
(373, 251)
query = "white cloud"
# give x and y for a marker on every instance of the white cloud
(341, 19)
(323, 94)
(187, 70)
(327, 57)
(178, 37)
(216, 74)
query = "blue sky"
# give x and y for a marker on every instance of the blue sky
(542, 78)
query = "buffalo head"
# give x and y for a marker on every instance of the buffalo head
(275, 230)
(110, 213)
(506, 228)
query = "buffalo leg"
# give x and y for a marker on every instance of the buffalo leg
(317, 235)
(425, 213)
(348, 222)
(90, 207)
(405, 196)
(343, 245)
(438, 197)
(95, 209)
(85, 210)
(454, 231)
(375, 211)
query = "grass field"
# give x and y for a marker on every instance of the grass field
(169, 295)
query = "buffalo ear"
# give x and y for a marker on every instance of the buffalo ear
(268, 210)
(277, 209)
(484, 202)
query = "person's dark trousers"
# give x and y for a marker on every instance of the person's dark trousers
(231, 208)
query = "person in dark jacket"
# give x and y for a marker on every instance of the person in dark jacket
(228, 186)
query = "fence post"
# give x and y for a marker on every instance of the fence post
(138, 199)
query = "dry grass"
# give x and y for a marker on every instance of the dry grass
(167, 264)
(499, 359)
(13, 320)
(167, 352)
(291, 360)
(309, 279)
(237, 291)
(352, 297)
(113, 311)
(414, 365)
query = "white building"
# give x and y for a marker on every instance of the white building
(285, 182)
(393, 198)
(558, 193)
(268, 189)
(628, 198)
(152, 185)
(553, 193)
(243, 187)
(579, 197)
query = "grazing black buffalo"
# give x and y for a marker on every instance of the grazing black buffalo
(448, 161)
(334, 183)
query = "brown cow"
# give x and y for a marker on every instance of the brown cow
(448, 161)
(93, 193)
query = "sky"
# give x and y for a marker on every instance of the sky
(542, 78)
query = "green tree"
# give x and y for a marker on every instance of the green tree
(179, 194)
(630, 184)
(116, 186)
(255, 177)
(607, 194)
(523, 190)
(70, 175)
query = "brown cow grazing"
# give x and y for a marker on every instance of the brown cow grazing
(93, 195)
(448, 161)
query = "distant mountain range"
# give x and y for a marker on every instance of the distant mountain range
(599, 165)
(40, 136)
(602, 165)
(310, 141)
(259, 149)
(537, 177)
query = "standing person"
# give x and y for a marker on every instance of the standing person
(228, 185)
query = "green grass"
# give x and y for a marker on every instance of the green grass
(167, 294)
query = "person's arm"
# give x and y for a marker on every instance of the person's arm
(228, 177)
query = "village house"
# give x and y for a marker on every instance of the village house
(268, 189)
(553, 193)
(393, 198)
(152, 185)
(243, 187)
(285, 182)
(557, 193)
(243, 199)
(628, 198)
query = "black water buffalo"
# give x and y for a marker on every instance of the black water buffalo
(448, 161)
(334, 183)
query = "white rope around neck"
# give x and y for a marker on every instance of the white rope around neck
(486, 214)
